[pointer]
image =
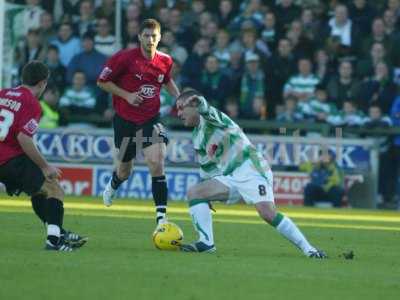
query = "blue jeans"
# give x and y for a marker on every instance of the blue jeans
(315, 193)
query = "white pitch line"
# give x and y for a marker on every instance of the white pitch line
(222, 212)
(96, 213)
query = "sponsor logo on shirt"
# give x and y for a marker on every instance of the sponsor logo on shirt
(105, 73)
(160, 78)
(213, 148)
(147, 91)
(13, 94)
(31, 126)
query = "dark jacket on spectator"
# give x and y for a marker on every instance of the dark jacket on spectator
(91, 63)
(384, 92)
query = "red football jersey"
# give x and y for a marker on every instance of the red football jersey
(133, 72)
(20, 111)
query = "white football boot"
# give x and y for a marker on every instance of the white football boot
(108, 194)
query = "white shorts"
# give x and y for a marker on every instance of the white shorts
(247, 184)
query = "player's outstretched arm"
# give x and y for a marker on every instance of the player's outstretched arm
(210, 113)
(172, 88)
(33, 153)
(110, 87)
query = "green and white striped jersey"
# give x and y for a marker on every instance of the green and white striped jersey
(222, 146)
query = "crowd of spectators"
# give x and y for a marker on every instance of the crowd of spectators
(304, 60)
(325, 61)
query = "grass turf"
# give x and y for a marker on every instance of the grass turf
(253, 261)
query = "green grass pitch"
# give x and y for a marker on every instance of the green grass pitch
(252, 261)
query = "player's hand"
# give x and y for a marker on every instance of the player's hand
(159, 129)
(51, 172)
(191, 101)
(134, 99)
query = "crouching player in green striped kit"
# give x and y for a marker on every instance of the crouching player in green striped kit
(231, 169)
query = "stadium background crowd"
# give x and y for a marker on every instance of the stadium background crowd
(334, 62)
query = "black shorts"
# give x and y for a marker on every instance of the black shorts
(21, 174)
(131, 138)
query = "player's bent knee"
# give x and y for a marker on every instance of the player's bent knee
(193, 193)
(123, 174)
(54, 190)
(156, 166)
(267, 211)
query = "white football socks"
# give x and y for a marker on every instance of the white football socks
(290, 231)
(202, 222)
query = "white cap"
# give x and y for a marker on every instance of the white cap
(251, 56)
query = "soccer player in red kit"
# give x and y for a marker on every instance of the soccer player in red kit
(134, 77)
(22, 167)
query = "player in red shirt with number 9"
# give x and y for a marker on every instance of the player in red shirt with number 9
(22, 167)
(134, 77)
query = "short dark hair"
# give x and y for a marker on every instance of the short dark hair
(188, 93)
(54, 48)
(151, 24)
(34, 72)
(375, 104)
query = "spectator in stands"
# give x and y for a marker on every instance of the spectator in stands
(269, 33)
(133, 12)
(280, 66)
(213, 84)
(51, 117)
(32, 48)
(302, 86)
(390, 21)
(89, 61)
(235, 70)
(342, 27)
(326, 181)
(57, 70)
(365, 67)
(191, 16)
(163, 15)
(310, 25)
(286, 12)
(378, 35)
(248, 44)
(349, 116)
(78, 100)
(288, 112)
(85, 22)
(225, 13)
(106, 10)
(195, 62)
(210, 30)
(221, 51)
(47, 30)
(395, 150)
(61, 9)
(251, 13)
(131, 32)
(322, 65)
(343, 86)
(178, 52)
(252, 87)
(184, 35)
(28, 18)
(394, 6)
(376, 119)
(362, 13)
(302, 46)
(379, 88)
(104, 41)
(232, 108)
(68, 45)
(317, 108)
